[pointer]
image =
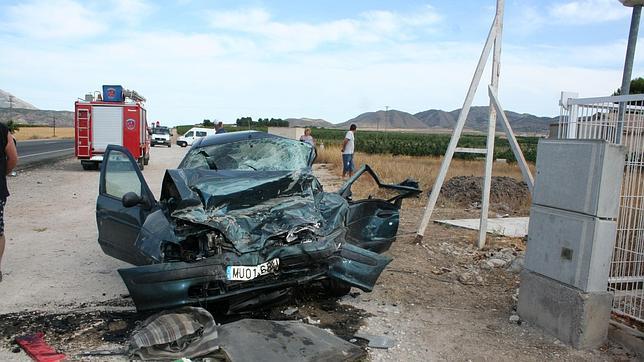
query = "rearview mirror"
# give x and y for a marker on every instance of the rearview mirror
(131, 199)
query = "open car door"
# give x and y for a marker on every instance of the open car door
(373, 223)
(124, 202)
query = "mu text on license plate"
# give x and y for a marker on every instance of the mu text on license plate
(238, 272)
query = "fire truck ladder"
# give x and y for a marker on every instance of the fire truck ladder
(83, 132)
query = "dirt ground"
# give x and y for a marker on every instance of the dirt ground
(439, 300)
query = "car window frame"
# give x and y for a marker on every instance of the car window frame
(145, 189)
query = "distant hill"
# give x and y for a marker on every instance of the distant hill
(26, 113)
(37, 117)
(478, 116)
(477, 120)
(308, 122)
(5, 101)
(393, 119)
(436, 118)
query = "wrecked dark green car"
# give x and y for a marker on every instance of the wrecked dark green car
(241, 220)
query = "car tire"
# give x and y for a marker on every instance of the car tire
(88, 166)
(151, 144)
(336, 288)
(169, 145)
(183, 144)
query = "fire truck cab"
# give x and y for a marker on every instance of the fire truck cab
(117, 116)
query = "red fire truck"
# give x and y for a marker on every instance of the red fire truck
(116, 116)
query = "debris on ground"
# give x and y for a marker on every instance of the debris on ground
(38, 349)
(290, 310)
(191, 332)
(185, 332)
(516, 265)
(497, 263)
(277, 341)
(382, 342)
(510, 226)
(466, 278)
(104, 329)
(311, 321)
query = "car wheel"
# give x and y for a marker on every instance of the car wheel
(87, 166)
(183, 144)
(169, 145)
(336, 288)
(151, 144)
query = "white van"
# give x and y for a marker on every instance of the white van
(194, 134)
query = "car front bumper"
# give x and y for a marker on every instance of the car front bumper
(174, 284)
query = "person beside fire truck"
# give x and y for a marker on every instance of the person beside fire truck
(8, 160)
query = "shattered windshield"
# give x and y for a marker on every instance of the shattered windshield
(264, 154)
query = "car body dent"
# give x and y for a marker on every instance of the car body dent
(208, 219)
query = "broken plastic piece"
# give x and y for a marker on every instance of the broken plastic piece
(382, 342)
(38, 349)
(290, 310)
(278, 341)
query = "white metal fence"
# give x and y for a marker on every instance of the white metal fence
(599, 118)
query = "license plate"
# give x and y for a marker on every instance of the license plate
(238, 272)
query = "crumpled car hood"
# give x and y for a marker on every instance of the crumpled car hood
(253, 209)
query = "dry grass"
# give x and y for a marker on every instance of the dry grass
(394, 169)
(34, 133)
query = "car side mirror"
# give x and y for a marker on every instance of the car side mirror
(131, 199)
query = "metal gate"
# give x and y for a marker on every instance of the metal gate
(599, 118)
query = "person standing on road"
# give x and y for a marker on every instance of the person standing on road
(306, 137)
(348, 148)
(219, 128)
(8, 160)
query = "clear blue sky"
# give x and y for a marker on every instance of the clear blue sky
(319, 59)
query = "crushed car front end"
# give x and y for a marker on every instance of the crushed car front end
(242, 220)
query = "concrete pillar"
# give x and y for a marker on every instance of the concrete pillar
(573, 224)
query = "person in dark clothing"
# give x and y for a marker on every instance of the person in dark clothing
(8, 160)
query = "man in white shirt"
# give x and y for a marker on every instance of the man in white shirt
(348, 147)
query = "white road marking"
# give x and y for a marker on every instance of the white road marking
(44, 153)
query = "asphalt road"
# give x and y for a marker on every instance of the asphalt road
(36, 151)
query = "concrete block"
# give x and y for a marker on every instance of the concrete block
(577, 318)
(582, 176)
(570, 247)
